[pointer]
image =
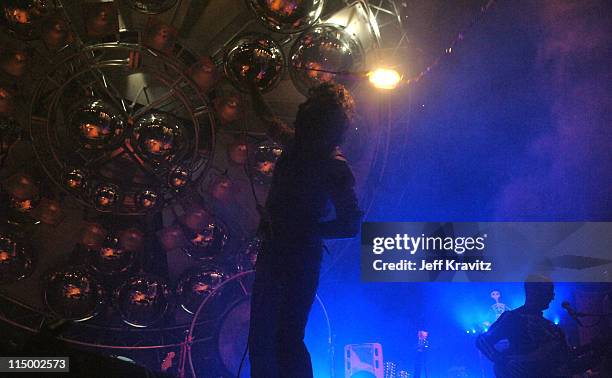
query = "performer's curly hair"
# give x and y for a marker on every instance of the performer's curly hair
(324, 118)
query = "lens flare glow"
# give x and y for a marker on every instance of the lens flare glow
(384, 78)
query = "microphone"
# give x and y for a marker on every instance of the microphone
(571, 312)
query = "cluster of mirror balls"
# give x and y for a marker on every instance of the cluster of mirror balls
(25, 17)
(106, 196)
(323, 53)
(77, 295)
(141, 300)
(100, 125)
(158, 137)
(255, 57)
(317, 55)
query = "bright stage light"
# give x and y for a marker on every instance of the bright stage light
(384, 78)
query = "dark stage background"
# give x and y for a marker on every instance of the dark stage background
(514, 126)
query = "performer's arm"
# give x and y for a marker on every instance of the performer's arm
(556, 346)
(344, 199)
(498, 331)
(278, 130)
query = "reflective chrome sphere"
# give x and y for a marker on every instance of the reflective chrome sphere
(152, 6)
(197, 284)
(287, 16)
(146, 199)
(254, 57)
(106, 197)
(266, 155)
(74, 179)
(206, 236)
(207, 242)
(73, 294)
(22, 16)
(142, 300)
(96, 125)
(15, 259)
(158, 136)
(112, 257)
(178, 177)
(321, 52)
(246, 259)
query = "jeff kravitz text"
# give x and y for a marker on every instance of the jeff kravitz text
(436, 265)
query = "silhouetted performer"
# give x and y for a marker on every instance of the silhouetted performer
(535, 346)
(310, 173)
